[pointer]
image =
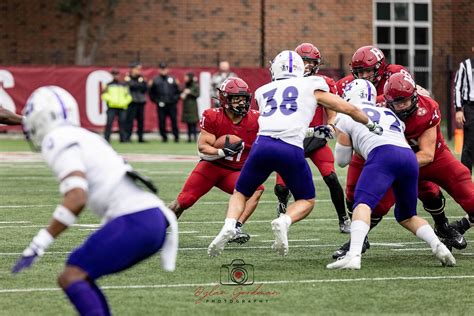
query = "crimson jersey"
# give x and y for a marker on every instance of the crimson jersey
(318, 118)
(216, 122)
(389, 70)
(426, 116)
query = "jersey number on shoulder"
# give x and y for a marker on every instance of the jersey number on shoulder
(288, 105)
(375, 117)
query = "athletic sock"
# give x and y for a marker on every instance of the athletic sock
(84, 298)
(359, 229)
(427, 233)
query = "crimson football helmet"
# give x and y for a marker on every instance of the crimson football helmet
(310, 54)
(368, 58)
(234, 87)
(398, 88)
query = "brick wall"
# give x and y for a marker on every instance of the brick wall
(198, 32)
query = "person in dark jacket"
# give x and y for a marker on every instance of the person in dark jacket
(136, 109)
(164, 91)
(189, 96)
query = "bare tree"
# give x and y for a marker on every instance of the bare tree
(89, 38)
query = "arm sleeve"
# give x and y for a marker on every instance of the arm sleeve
(67, 160)
(343, 155)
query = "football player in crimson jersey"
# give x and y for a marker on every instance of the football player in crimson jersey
(369, 63)
(422, 117)
(221, 167)
(315, 148)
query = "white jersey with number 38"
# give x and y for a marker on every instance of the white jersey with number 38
(287, 107)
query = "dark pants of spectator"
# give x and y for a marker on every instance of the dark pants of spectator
(192, 132)
(135, 111)
(122, 117)
(163, 113)
(467, 156)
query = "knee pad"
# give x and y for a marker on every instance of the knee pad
(332, 181)
(435, 206)
(282, 193)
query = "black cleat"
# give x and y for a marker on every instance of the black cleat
(345, 248)
(345, 225)
(450, 236)
(461, 225)
(240, 237)
(281, 209)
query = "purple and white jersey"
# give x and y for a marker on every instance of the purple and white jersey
(287, 107)
(110, 192)
(363, 141)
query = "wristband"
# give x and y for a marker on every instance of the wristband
(64, 215)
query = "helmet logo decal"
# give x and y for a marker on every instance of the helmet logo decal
(378, 54)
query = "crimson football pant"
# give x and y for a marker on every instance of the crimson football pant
(427, 191)
(201, 180)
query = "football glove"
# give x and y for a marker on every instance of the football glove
(324, 131)
(232, 149)
(374, 127)
(36, 249)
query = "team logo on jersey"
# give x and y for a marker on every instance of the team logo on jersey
(421, 111)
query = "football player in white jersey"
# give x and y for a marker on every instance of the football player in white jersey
(91, 172)
(287, 106)
(390, 162)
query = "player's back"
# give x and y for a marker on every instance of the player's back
(363, 141)
(287, 107)
(111, 193)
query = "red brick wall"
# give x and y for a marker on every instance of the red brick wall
(198, 32)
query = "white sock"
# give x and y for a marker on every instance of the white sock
(230, 222)
(359, 229)
(427, 233)
(286, 219)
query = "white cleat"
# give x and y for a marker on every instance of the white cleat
(217, 245)
(349, 261)
(444, 255)
(280, 231)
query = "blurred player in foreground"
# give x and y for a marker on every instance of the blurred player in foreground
(91, 172)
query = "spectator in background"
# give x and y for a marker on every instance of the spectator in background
(464, 104)
(218, 78)
(117, 96)
(190, 114)
(136, 110)
(164, 91)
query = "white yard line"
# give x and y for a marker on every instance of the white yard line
(274, 282)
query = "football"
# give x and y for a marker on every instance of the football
(221, 140)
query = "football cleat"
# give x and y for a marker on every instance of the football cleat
(280, 231)
(461, 225)
(217, 245)
(341, 252)
(345, 225)
(240, 236)
(444, 255)
(450, 236)
(349, 261)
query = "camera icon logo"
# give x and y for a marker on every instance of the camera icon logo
(236, 273)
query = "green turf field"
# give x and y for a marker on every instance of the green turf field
(399, 274)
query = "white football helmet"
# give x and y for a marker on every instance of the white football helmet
(287, 64)
(47, 108)
(360, 92)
